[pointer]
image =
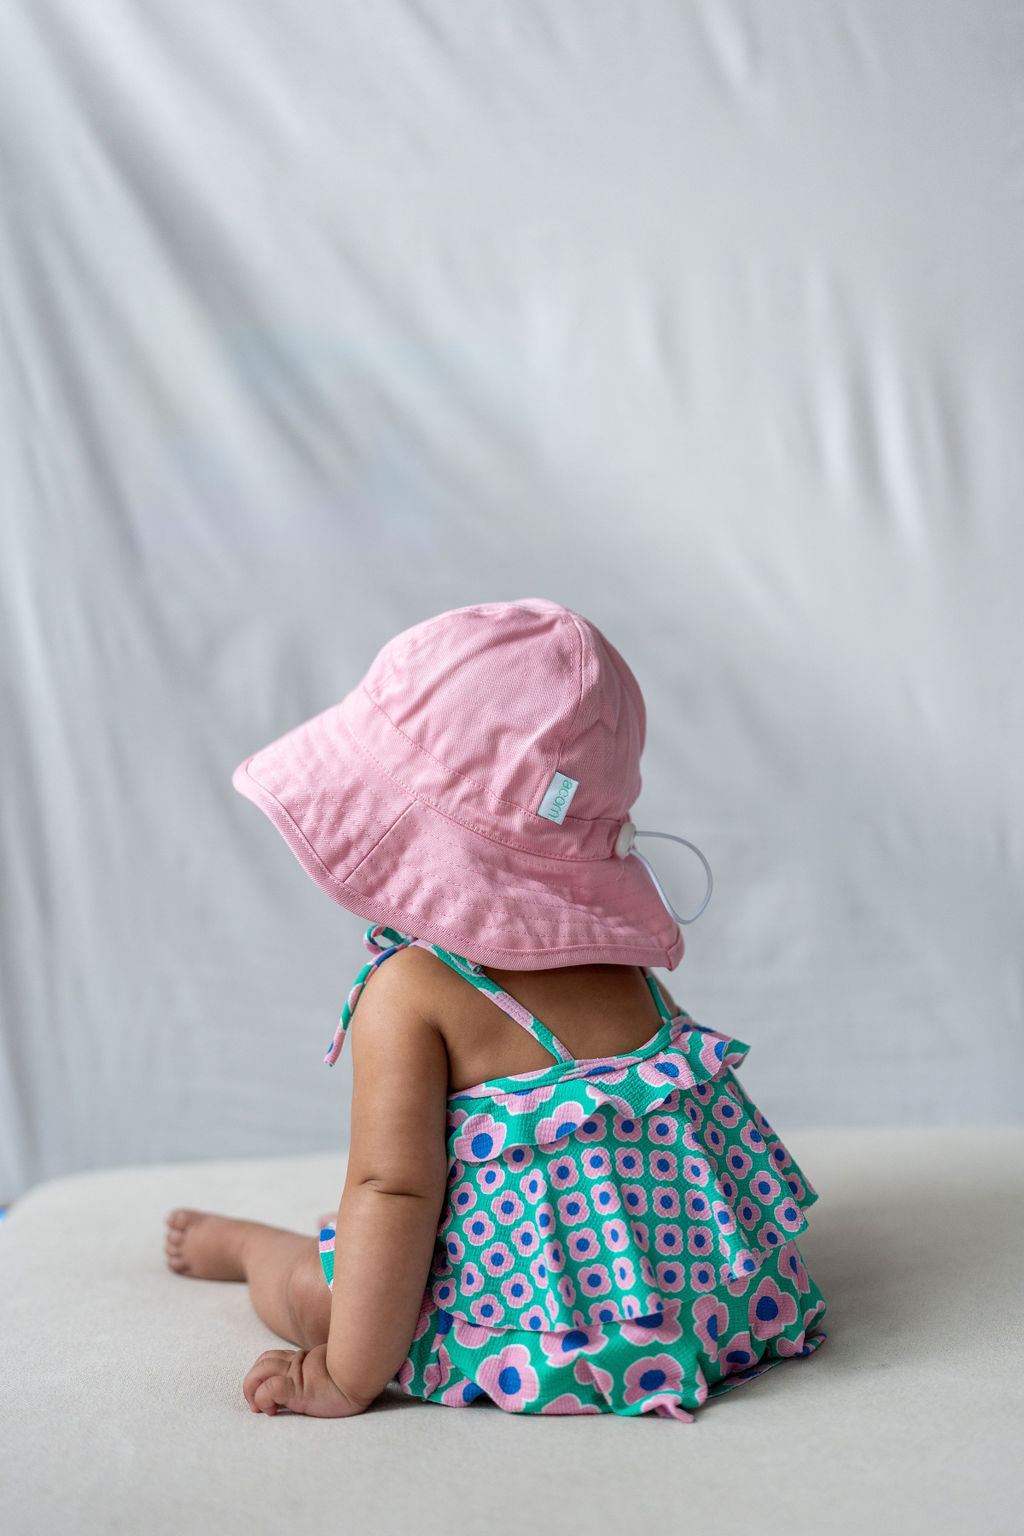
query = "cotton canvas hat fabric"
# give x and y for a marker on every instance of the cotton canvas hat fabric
(473, 789)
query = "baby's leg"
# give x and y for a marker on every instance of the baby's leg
(286, 1283)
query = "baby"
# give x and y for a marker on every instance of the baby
(581, 1215)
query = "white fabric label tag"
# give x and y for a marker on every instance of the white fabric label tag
(558, 797)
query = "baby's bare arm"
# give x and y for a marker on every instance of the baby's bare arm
(396, 1181)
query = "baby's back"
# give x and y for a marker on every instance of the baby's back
(595, 1010)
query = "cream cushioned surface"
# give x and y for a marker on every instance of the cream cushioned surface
(122, 1410)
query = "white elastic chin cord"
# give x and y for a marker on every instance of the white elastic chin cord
(624, 847)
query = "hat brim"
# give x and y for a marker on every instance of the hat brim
(394, 859)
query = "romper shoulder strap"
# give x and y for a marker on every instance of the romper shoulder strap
(383, 942)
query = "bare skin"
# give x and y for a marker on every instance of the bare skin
(416, 1011)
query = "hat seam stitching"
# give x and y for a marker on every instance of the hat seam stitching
(464, 777)
(426, 800)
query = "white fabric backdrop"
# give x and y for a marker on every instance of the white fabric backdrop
(702, 318)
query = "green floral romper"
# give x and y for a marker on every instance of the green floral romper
(619, 1234)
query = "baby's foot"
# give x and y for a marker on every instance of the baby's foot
(204, 1246)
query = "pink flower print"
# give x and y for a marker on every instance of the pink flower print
(797, 1346)
(646, 1271)
(605, 1197)
(702, 1091)
(525, 1240)
(471, 1335)
(554, 1257)
(702, 1275)
(626, 1127)
(554, 1311)
(565, 1345)
(631, 1307)
(659, 1327)
(692, 1142)
(769, 1236)
(597, 1163)
(634, 1198)
(489, 1177)
(462, 1197)
(573, 1208)
(544, 1219)
(471, 1280)
(535, 1319)
(480, 1137)
(697, 1204)
(539, 1270)
(748, 1213)
(671, 1277)
(507, 1207)
(437, 1372)
(522, 1102)
(694, 1114)
(789, 1215)
(752, 1138)
(533, 1186)
(454, 1247)
(447, 1217)
(640, 1235)
(629, 1163)
(563, 1172)
(615, 1234)
(583, 1245)
(791, 1265)
(517, 1291)
(744, 1263)
(668, 1238)
(405, 1374)
(479, 1228)
(797, 1188)
(593, 1128)
(669, 1407)
(710, 1319)
(509, 1378)
(714, 1141)
(813, 1312)
(662, 1129)
(737, 1354)
(665, 1201)
(699, 1240)
(517, 1158)
(652, 1374)
(736, 1285)
(460, 1394)
(696, 1170)
(663, 1165)
(726, 1111)
(665, 1068)
(498, 1259)
(487, 1310)
(625, 1274)
(590, 1374)
(769, 1309)
(555, 1129)
(568, 1402)
(727, 1187)
(738, 1162)
(441, 1266)
(724, 1216)
(444, 1293)
(764, 1188)
(566, 1290)
(780, 1157)
(594, 1279)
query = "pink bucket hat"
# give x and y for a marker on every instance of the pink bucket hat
(474, 790)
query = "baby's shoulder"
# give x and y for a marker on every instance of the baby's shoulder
(412, 981)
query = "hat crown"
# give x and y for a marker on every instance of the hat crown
(504, 695)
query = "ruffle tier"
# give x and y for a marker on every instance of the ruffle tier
(594, 1194)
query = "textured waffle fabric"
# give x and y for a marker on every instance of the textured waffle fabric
(619, 1235)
